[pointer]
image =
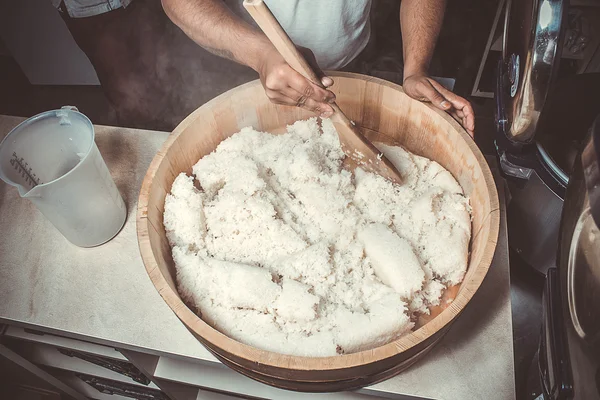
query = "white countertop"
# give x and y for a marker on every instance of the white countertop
(104, 294)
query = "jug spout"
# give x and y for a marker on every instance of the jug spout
(16, 167)
(26, 189)
(34, 192)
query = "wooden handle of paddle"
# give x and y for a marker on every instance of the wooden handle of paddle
(276, 34)
(280, 39)
(354, 144)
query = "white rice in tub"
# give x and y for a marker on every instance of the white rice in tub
(286, 251)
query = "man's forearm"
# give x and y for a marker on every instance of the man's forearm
(420, 21)
(212, 25)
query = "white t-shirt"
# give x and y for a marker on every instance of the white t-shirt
(335, 30)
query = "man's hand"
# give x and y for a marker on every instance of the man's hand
(213, 26)
(284, 85)
(420, 22)
(424, 88)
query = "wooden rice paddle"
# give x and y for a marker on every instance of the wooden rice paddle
(358, 149)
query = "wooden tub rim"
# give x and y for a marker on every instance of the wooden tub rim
(206, 333)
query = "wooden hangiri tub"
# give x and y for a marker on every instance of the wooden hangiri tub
(385, 114)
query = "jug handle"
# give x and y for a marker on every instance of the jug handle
(63, 114)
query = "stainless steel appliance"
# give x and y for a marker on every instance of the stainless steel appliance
(569, 354)
(541, 121)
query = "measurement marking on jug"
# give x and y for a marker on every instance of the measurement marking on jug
(22, 167)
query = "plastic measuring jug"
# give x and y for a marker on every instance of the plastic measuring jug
(53, 161)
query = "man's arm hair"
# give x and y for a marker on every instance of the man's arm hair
(420, 21)
(212, 25)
